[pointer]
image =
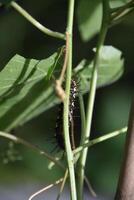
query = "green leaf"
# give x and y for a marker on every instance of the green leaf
(25, 89)
(110, 69)
(89, 15)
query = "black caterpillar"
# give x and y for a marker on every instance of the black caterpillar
(59, 120)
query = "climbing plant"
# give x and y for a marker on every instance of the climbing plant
(29, 86)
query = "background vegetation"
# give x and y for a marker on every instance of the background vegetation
(111, 106)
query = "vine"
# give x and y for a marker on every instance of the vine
(76, 158)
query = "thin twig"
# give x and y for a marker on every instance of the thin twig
(58, 83)
(56, 63)
(90, 188)
(118, 19)
(118, 10)
(45, 188)
(101, 139)
(31, 146)
(107, 136)
(62, 185)
(61, 78)
(37, 24)
(118, 14)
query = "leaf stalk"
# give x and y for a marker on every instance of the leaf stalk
(37, 24)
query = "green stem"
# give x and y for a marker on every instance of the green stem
(36, 23)
(31, 146)
(69, 152)
(100, 139)
(62, 185)
(118, 10)
(83, 122)
(93, 83)
(45, 189)
(83, 117)
(119, 13)
(107, 136)
(119, 18)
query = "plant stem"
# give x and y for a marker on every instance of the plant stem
(45, 189)
(62, 185)
(118, 10)
(83, 123)
(91, 99)
(83, 117)
(117, 14)
(100, 139)
(107, 136)
(31, 146)
(61, 78)
(36, 23)
(69, 152)
(119, 18)
(91, 190)
(58, 83)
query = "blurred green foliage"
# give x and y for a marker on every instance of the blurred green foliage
(112, 102)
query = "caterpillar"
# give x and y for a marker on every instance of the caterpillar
(59, 121)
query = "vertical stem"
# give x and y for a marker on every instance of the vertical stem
(83, 117)
(91, 99)
(125, 189)
(62, 185)
(69, 152)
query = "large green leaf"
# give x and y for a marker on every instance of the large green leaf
(25, 89)
(110, 69)
(89, 15)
